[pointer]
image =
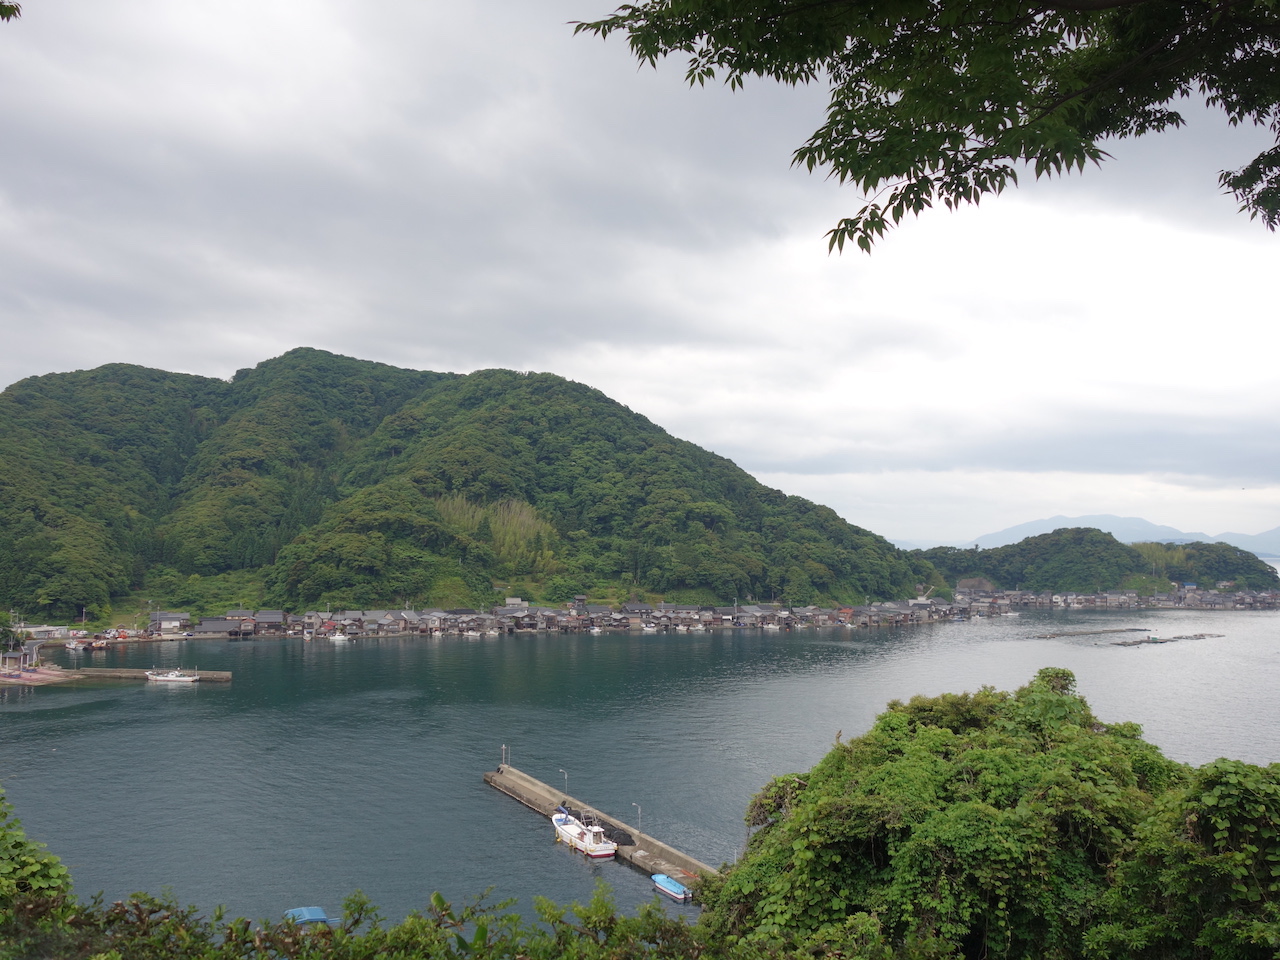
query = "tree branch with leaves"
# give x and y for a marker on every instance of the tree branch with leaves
(946, 101)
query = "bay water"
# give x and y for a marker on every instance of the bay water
(323, 768)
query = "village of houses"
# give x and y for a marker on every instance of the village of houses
(973, 599)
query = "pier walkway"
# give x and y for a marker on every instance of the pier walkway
(648, 854)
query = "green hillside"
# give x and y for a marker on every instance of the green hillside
(1086, 560)
(314, 479)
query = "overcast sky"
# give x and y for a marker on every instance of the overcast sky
(200, 187)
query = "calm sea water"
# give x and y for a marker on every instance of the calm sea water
(323, 768)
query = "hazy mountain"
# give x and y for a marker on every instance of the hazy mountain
(1265, 544)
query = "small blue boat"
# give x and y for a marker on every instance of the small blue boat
(672, 888)
(305, 916)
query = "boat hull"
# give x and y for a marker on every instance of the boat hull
(672, 888)
(171, 676)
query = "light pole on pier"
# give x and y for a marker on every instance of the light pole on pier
(639, 818)
(566, 783)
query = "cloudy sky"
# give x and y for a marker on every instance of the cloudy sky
(199, 187)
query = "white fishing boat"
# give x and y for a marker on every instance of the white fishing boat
(173, 676)
(338, 637)
(587, 838)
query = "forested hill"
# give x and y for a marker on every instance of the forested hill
(1087, 560)
(314, 479)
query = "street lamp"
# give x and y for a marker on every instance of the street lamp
(566, 783)
(639, 818)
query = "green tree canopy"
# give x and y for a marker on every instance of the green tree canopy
(1086, 559)
(1008, 825)
(946, 100)
(1211, 563)
(1070, 558)
(315, 479)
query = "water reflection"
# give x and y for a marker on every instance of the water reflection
(322, 768)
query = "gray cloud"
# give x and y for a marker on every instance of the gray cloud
(456, 187)
(1244, 451)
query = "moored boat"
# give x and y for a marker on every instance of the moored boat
(173, 676)
(587, 838)
(311, 917)
(671, 887)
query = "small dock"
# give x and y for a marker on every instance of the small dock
(113, 673)
(647, 854)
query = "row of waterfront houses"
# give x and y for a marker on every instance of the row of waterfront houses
(518, 616)
(972, 599)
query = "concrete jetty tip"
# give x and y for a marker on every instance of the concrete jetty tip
(647, 854)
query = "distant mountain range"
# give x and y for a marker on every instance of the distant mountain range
(1124, 529)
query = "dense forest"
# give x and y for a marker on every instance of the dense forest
(316, 479)
(960, 827)
(1086, 560)
(1008, 825)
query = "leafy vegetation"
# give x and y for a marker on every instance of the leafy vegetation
(946, 101)
(984, 825)
(28, 872)
(92, 460)
(1083, 559)
(1008, 825)
(315, 479)
(1207, 564)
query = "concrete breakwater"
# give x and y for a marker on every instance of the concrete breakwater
(47, 674)
(1089, 633)
(114, 673)
(647, 853)
(1189, 636)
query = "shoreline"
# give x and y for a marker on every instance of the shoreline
(61, 642)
